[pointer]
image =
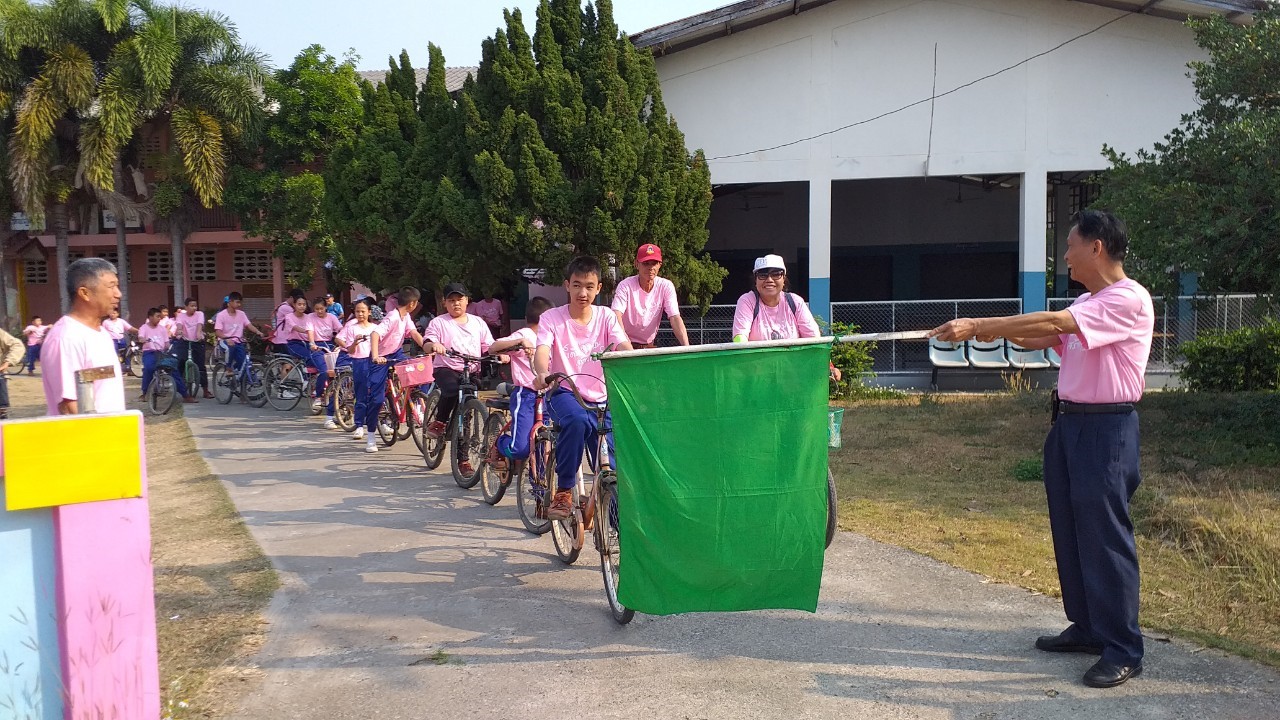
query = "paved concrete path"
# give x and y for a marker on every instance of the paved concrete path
(389, 570)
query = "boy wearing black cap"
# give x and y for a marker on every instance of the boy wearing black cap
(454, 330)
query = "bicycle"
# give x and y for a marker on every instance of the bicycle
(288, 379)
(248, 381)
(531, 491)
(465, 429)
(403, 415)
(162, 393)
(341, 392)
(130, 355)
(594, 510)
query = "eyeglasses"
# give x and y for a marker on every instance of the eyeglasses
(770, 274)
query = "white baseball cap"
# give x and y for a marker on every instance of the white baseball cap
(769, 262)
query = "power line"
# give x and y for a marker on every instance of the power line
(930, 99)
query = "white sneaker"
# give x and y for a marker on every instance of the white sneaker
(358, 434)
(329, 424)
(385, 429)
(371, 446)
(315, 405)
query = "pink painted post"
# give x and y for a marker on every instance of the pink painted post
(277, 282)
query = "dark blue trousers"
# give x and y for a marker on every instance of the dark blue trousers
(515, 443)
(378, 389)
(1090, 474)
(575, 434)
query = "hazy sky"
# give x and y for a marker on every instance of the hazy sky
(378, 28)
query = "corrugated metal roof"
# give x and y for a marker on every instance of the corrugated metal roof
(697, 29)
(453, 76)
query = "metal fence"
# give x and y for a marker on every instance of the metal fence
(1177, 320)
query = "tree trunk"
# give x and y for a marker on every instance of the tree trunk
(177, 238)
(58, 217)
(122, 265)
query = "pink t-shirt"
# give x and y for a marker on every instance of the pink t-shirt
(36, 335)
(489, 310)
(153, 337)
(351, 331)
(392, 331)
(774, 323)
(642, 311)
(294, 328)
(283, 310)
(473, 338)
(190, 327)
(72, 346)
(1106, 361)
(231, 326)
(117, 327)
(521, 364)
(324, 326)
(572, 345)
(166, 323)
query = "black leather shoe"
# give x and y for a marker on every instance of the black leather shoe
(1063, 642)
(1106, 675)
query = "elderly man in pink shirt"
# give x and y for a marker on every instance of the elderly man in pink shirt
(79, 342)
(1091, 455)
(642, 299)
(387, 343)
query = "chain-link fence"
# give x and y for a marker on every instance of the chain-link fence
(1185, 317)
(714, 327)
(902, 315)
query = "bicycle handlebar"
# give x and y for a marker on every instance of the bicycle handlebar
(469, 358)
(558, 379)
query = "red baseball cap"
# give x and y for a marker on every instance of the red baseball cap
(648, 253)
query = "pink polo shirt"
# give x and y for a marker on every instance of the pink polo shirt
(153, 337)
(392, 331)
(521, 364)
(71, 346)
(1106, 361)
(324, 325)
(572, 345)
(353, 330)
(642, 311)
(231, 326)
(773, 323)
(117, 328)
(294, 328)
(489, 310)
(36, 335)
(283, 310)
(473, 338)
(190, 327)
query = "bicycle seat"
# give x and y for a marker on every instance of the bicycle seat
(498, 404)
(504, 389)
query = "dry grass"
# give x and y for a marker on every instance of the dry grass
(212, 580)
(938, 474)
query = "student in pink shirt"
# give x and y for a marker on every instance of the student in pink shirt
(286, 308)
(230, 325)
(568, 336)
(520, 345)
(1091, 455)
(321, 327)
(356, 339)
(387, 342)
(461, 332)
(79, 342)
(35, 337)
(188, 333)
(166, 319)
(155, 339)
(490, 310)
(641, 300)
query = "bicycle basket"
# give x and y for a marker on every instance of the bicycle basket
(414, 372)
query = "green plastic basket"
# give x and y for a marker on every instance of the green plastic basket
(835, 421)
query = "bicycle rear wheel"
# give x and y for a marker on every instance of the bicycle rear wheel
(606, 535)
(223, 384)
(388, 424)
(284, 389)
(533, 486)
(415, 418)
(493, 483)
(433, 448)
(343, 390)
(162, 393)
(254, 388)
(564, 534)
(468, 443)
(831, 508)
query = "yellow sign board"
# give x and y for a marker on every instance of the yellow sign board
(71, 459)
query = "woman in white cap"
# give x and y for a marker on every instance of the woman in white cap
(769, 312)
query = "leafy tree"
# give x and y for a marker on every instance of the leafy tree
(315, 104)
(1204, 199)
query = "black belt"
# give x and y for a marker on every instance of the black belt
(1067, 407)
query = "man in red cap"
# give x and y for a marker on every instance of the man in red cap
(641, 299)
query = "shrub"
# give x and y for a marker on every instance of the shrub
(854, 361)
(1234, 360)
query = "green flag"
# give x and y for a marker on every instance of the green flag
(722, 462)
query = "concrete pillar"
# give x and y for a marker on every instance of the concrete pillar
(277, 280)
(820, 248)
(1031, 243)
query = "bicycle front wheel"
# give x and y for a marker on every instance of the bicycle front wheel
(343, 389)
(162, 394)
(191, 374)
(223, 384)
(493, 483)
(564, 535)
(533, 487)
(831, 508)
(606, 534)
(433, 448)
(254, 387)
(388, 424)
(468, 441)
(284, 388)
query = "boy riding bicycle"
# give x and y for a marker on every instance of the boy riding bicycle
(155, 338)
(387, 343)
(520, 346)
(230, 325)
(568, 337)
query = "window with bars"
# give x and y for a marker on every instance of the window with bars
(1051, 212)
(252, 264)
(74, 255)
(159, 266)
(202, 265)
(110, 256)
(36, 271)
(1082, 195)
